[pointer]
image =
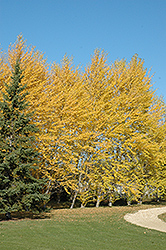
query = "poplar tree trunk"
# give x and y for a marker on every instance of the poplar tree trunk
(74, 198)
(98, 201)
(110, 203)
(48, 187)
(128, 203)
(110, 200)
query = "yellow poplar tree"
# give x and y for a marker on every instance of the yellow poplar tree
(126, 117)
(63, 126)
(136, 125)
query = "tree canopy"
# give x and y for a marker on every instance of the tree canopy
(101, 130)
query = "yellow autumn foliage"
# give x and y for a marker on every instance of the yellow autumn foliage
(101, 130)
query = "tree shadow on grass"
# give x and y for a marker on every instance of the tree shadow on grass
(24, 215)
(154, 202)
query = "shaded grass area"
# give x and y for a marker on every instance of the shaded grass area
(88, 228)
(162, 217)
(25, 215)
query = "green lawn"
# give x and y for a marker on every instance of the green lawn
(163, 217)
(88, 228)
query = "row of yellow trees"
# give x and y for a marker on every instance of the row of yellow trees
(101, 129)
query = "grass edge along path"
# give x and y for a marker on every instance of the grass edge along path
(148, 218)
(88, 228)
(162, 217)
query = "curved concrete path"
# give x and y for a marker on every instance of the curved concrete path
(148, 218)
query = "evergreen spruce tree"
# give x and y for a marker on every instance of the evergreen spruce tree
(19, 189)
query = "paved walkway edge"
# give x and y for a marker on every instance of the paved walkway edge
(148, 218)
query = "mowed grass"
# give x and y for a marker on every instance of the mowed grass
(87, 228)
(163, 217)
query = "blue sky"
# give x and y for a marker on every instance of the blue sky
(77, 27)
